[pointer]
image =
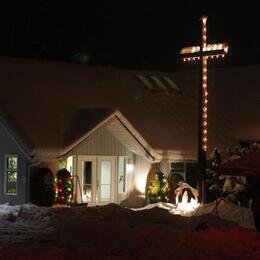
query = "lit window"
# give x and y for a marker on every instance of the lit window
(121, 174)
(87, 181)
(11, 174)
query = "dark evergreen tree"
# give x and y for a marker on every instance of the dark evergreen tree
(43, 187)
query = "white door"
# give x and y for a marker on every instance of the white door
(96, 180)
(106, 180)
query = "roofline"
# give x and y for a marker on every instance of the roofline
(14, 136)
(149, 151)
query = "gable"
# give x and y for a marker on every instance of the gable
(101, 142)
(10, 141)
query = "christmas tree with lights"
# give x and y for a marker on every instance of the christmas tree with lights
(64, 187)
(158, 188)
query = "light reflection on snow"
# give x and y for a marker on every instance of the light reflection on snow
(184, 209)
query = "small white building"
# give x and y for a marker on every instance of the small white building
(109, 162)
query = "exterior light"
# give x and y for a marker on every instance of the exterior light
(130, 166)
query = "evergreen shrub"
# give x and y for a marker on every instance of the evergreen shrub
(43, 187)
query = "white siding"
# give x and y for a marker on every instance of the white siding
(102, 142)
(136, 193)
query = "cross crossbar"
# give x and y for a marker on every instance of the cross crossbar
(211, 51)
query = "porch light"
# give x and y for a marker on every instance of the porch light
(130, 166)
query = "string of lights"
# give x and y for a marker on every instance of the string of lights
(203, 53)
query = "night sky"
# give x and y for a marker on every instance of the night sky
(127, 34)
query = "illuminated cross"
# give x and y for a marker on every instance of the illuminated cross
(203, 53)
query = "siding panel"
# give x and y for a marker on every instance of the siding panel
(9, 146)
(102, 142)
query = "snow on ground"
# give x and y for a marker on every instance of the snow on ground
(113, 232)
(228, 211)
(22, 222)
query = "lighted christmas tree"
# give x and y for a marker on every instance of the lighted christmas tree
(64, 187)
(158, 188)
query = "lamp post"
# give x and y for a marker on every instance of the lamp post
(202, 53)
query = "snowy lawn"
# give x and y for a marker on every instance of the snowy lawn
(113, 232)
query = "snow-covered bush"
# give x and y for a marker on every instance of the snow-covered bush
(234, 189)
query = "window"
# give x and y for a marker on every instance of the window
(178, 168)
(11, 174)
(105, 180)
(188, 170)
(87, 180)
(121, 174)
(69, 164)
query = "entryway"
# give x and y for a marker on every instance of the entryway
(97, 177)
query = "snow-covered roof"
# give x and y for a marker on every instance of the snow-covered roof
(86, 122)
(44, 97)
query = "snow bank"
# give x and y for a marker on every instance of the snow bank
(227, 211)
(22, 222)
(168, 206)
(113, 232)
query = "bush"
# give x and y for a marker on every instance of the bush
(64, 187)
(43, 187)
(158, 188)
(236, 189)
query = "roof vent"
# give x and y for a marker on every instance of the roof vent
(158, 83)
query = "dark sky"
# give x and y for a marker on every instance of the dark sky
(128, 34)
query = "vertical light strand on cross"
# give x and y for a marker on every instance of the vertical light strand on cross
(204, 85)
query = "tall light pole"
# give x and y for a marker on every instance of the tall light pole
(202, 53)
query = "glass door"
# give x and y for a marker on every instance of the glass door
(106, 180)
